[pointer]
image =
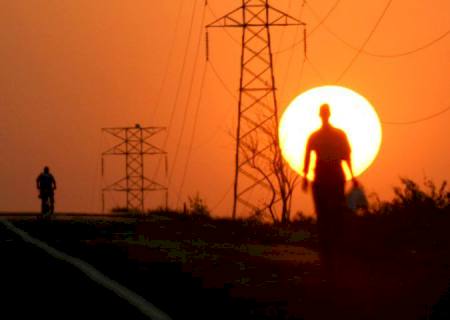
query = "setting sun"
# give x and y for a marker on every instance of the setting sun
(350, 112)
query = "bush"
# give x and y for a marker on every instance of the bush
(410, 197)
(259, 217)
(417, 217)
(198, 207)
(300, 217)
(126, 210)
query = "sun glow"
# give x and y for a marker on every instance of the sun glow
(350, 112)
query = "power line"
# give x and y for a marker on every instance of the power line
(177, 93)
(432, 116)
(365, 41)
(103, 183)
(318, 73)
(171, 51)
(300, 75)
(96, 175)
(183, 66)
(194, 130)
(283, 30)
(312, 30)
(222, 82)
(381, 55)
(361, 50)
(230, 187)
(197, 54)
(300, 78)
(282, 92)
(401, 54)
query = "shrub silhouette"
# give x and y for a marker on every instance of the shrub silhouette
(197, 206)
(119, 209)
(417, 217)
(411, 197)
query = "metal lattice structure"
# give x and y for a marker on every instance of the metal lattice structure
(257, 148)
(133, 143)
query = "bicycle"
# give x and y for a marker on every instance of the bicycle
(46, 206)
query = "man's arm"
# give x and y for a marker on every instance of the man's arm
(306, 163)
(37, 182)
(54, 183)
(348, 160)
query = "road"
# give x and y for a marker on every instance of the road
(36, 285)
(39, 282)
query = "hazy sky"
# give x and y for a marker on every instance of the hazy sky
(69, 68)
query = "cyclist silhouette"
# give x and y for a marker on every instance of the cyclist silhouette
(46, 185)
(332, 149)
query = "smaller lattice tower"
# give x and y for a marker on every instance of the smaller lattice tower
(133, 143)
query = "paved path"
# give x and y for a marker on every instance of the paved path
(35, 284)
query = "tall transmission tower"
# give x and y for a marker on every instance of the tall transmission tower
(257, 148)
(134, 144)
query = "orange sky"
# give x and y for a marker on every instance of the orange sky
(69, 68)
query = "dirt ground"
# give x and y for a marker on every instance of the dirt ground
(222, 271)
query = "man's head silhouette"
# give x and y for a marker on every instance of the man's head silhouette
(46, 169)
(325, 113)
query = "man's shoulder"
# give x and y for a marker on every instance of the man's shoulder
(313, 137)
(44, 175)
(339, 133)
(316, 134)
(325, 133)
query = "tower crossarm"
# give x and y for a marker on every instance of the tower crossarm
(235, 18)
(231, 19)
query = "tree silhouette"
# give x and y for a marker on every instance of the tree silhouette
(275, 172)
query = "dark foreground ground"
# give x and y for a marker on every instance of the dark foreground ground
(195, 268)
(36, 286)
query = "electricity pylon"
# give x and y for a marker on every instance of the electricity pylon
(134, 144)
(257, 147)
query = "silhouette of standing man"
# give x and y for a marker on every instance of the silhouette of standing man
(46, 185)
(332, 149)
